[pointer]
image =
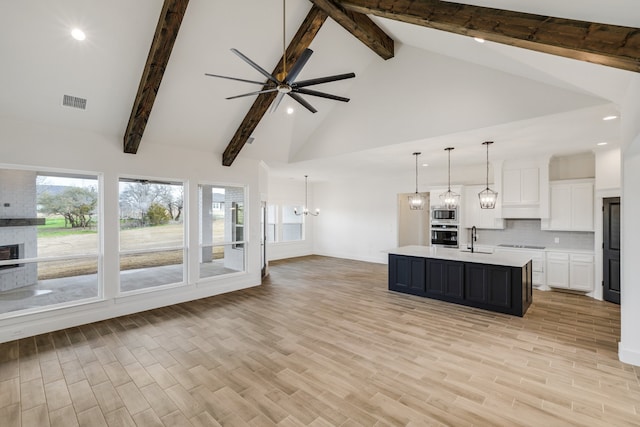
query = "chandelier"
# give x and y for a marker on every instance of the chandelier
(487, 196)
(416, 200)
(449, 199)
(305, 210)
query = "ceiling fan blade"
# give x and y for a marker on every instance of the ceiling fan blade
(299, 65)
(321, 94)
(253, 93)
(276, 102)
(256, 66)
(234, 78)
(320, 80)
(302, 102)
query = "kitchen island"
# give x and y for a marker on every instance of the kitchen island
(495, 282)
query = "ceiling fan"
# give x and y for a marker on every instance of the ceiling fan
(285, 83)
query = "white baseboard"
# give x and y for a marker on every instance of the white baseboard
(627, 355)
(383, 259)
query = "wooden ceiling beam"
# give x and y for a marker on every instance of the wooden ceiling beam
(360, 26)
(163, 40)
(303, 38)
(604, 44)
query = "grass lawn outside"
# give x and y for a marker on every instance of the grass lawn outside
(56, 226)
(54, 239)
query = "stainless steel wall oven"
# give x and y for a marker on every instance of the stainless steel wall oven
(444, 235)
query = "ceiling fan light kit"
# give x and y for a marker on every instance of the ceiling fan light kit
(285, 82)
(416, 200)
(450, 200)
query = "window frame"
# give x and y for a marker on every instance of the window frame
(236, 245)
(185, 236)
(279, 224)
(99, 250)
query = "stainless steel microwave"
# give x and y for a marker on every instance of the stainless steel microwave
(441, 215)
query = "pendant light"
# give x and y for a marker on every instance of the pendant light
(417, 200)
(487, 196)
(305, 210)
(450, 199)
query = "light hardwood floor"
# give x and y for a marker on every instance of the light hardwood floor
(324, 343)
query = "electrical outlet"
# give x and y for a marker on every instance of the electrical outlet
(556, 240)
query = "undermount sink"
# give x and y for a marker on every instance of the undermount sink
(475, 251)
(504, 245)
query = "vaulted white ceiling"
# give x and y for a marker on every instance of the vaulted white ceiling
(440, 89)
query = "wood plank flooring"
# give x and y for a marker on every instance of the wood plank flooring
(324, 343)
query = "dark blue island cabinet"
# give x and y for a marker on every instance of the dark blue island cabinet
(501, 288)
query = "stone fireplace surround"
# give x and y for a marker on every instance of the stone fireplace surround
(18, 210)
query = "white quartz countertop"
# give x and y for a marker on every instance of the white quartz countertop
(509, 259)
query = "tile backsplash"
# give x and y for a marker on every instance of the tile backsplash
(528, 232)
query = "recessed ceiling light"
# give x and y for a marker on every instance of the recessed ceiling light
(610, 118)
(425, 164)
(479, 39)
(290, 110)
(602, 143)
(78, 34)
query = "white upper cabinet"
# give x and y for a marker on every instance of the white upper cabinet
(560, 200)
(571, 206)
(525, 189)
(521, 186)
(511, 187)
(530, 191)
(473, 215)
(582, 206)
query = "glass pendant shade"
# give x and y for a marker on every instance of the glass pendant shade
(449, 200)
(417, 201)
(487, 197)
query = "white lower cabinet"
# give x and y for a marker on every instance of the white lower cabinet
(581, 272)
(558, 269)
(570, 271)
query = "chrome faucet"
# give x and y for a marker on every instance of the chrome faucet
(474, 236)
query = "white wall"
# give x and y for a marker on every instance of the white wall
(629, 347)
(33, 146)
(290, 191)
(359, 217)
(608, 169)
(413, 225)
(576, 166)
(427, 88)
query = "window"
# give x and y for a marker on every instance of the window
(222, 229)
(291, 224)
(237, 211)
(271, 223)
(49, 243)
(152, 243)
(286, 227)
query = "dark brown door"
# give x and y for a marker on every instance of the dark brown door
(611, 250)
